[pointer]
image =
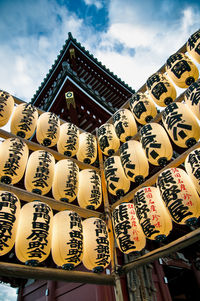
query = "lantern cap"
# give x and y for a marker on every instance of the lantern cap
(87, 160)
(68, 266)
(190, 80)
(37, 191)
(98, 269)
(32, 262)
(168, 100)
(90, 207)
(148, 118)
(139, 179)
(128, 138)
(46, 142)
(191, 221)
(68, 153)
(190, 142)
(120, 192)
(21, 134)
(64, 200)
(111, 152)
(162, 161)
(6, 179)
(160, 237)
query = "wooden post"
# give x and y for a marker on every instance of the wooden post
(50, 291)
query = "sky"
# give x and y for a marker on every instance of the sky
(130, 37)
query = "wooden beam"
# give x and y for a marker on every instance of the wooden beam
(27, 196)
(151, 181)
(35, 146)
(23, 271)
(172, 247)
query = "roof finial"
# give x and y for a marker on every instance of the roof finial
(70, 35)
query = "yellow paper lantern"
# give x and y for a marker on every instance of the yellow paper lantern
(193, 46)
(48, 129)
(67, 239)
(192, 98)
(180, 195)
(33, 239)
(142, 107)
(68, 140)
(96, 244)
(39, 172)
(108, 141)
(192, 166)
(152, 213)
(65, 181)
(9, 215)
(128, 232)
(156, 144)
(181, 70)
(181, 125)
(125, 125)
(161, 89)
(13, 159)
(87, 151)
(24, 120)
(89, 190)
(134, 161)
(6, 107)
(117, 182)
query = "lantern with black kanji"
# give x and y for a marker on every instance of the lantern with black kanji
(142, 107)
(65, 181)
(179, 195)
(192, 166)
(193, 46)
(117, 182)
(48, 129)
(181, 124)
(87, 150)
(96, 245)
(152, 213)
(24, 120)
(68, 140)
(134, 161)
(89, 189)
(156, 144)
(33, 239)
(128, 232)
(39, 172)
(108, 141)
(181, 70)
(6, 107)
(192, 98)
(13, 159)
(9, 216)
(161, 89)
(67, 239)
(125, 125)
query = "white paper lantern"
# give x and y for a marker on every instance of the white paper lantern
(6, 107)
(192, 166)
(108, 141)
(87, 151)
(68, 140)
(193, 46)
(125, 125)
(192, 98)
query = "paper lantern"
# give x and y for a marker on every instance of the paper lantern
(68, 140)
(134, 161)
(192, 98)
(13, 158)
(192, 166)
(33, 239)
(48, 129)
(24, 120)
(156, 144)
(128, 232)
(6, 107)
(9, 215)
(65, 181)
(181, 125)
(193, 46)
(108, 141)
(96, 245)
(125, 125)
(161, 89)
(117, 182)
(67, 239)
(180, 195)
(39, 172)
(152, 213)
(142, 107)
(89, 190)
(87, 151)
(181, 70)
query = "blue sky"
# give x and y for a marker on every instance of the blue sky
(132, 38)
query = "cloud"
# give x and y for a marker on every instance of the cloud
(96, 3)
(7, 293)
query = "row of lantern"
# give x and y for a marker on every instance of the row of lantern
(25, 121)
(42, 174)
(35, 232)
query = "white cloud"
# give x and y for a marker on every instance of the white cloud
(7, 293)
(96, 3)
